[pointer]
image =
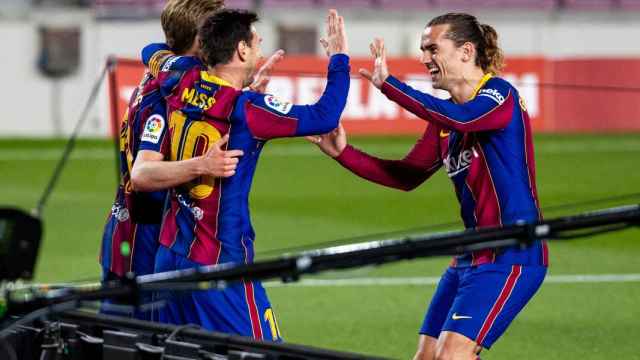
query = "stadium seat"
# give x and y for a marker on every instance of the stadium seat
(405, 4)
(596, 5)
(345, 4)
(502, 4)
(291, 3)
(629, 4)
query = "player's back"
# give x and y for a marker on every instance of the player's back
(199, 110)
(208, 219)
(143, 118)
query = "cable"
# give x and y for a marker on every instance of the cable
(181, 328)
(37, 212)
(448, 225)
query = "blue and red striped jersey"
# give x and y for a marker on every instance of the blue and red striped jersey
(207, 220)
(143, 128)
(485, 146)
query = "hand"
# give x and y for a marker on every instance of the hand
(262, 77)
(218, 162)
(332, 143)
(380, 70)
(335, 41)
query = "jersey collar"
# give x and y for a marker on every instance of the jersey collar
(481, 83)
(213, 79)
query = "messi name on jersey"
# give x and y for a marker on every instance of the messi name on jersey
(198, 99)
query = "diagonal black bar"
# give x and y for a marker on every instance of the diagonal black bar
(342, 257)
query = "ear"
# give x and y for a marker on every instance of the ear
(468, 51)
(241, 49)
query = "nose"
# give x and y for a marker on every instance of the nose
(425, 58)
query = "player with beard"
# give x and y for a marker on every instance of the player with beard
(207, 221)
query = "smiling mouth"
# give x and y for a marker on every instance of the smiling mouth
(433, 70)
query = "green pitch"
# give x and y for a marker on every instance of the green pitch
(301, 198)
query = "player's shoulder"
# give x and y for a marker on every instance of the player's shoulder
(181, 63)
(497, 89)
(499, 84)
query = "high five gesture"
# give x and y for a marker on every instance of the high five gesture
(380, 70)
(335, 41)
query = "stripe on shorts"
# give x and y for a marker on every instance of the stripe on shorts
(253, 310)
(507, 289)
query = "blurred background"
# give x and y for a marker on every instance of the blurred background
(55, 49)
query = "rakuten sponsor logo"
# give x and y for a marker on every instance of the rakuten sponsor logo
(457, 164)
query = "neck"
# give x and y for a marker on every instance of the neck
(230, 74)
(463, 90)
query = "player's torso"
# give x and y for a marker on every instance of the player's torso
(147, 109)
(208, 218)
(493, 172)
(132, 228)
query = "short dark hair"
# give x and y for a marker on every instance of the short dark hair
(220, 34)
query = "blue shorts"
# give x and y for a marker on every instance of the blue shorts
(241, 308)
(480, 302)
(142, 263)
(143, 252)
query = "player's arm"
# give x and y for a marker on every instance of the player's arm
(405, 174)
(491, 109)
(158, 57)
(268, 117)
(150, 172)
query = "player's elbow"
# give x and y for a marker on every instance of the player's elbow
(139, 182)
(331, 123)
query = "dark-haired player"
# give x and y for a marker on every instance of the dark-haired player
(130, 238)
(482, 138)
(207, 221)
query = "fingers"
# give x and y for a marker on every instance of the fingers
(333, 20)
(325, 43)
(230, 160)
(273, 59)
(314, 139)
(233, 153)
(366, 74)
(221, 142)
(260, 85)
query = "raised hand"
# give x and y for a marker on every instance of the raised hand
(332, 143)
(380, 69)
(335, 40)
(218, 162)
(262, 77)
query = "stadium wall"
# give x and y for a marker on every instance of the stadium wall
(30, 100)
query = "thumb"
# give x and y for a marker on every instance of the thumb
(314, 139)
(221, 142)
(324, 42)
(366, 74)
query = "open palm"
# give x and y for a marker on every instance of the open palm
(380, 69)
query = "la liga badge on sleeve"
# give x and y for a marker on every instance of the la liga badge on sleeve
(277, 104)
(153, 129)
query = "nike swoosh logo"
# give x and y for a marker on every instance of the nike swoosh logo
(459, 317)
(444, 134)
